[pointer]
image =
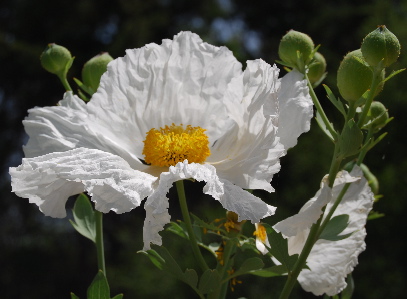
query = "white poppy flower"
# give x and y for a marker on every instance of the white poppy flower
(162, 113)
(331, 261)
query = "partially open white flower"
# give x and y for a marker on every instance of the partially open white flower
(162, 113)
(331, 261)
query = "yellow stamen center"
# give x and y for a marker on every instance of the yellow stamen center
(172, 144)
(261, 233)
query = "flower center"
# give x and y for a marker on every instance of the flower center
(261, 233)
(172, 144)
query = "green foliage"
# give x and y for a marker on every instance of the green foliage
(209, 282)
(99, 289)
(84, 218)
(350, 140)
(279, 249)
(334, 227)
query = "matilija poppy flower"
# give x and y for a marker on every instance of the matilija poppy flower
(330, 262)
(183, 109)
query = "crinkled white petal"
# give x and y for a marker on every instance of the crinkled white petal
(72, 124)
(232, 198)
(312, 210)
(181, 81)
(248, 155)
(50, 179)
(296, 108)
(331, 261)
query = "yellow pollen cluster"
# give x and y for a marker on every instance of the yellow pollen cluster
(261, 233)
(172, 144)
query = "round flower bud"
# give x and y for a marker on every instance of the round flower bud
(354, 76)
(93, 70)
(292, 42)
(378, 115)
(380, 44)
(55, 59)
(317, 68)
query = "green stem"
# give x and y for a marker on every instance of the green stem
(319, 108)
(292, 277)
(375, 83)
(99, 241)
(316, 228)
(188, 223)
(65, 82)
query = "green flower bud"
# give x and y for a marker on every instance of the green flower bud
(317, 68)
(55, 59)
(354, 76)
(292, 42)
(381, 44)
(93, 70)
(378, 115)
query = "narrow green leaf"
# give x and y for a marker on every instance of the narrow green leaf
(375, 215)
(210, 281)
(277, 270)
(178, 230)
(336, 102)
(85, 88)
(119, 296)
(334, 227)
(154, 257)
(249, 265)
(84, 218)
(73, 296)
(99, 289)
(393, 74)
(323, 127)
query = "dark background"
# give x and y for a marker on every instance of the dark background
(43, 257)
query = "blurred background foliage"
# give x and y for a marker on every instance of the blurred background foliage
(43, 257)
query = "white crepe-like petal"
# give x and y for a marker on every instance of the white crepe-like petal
(50, 179)
(251, 153)
(331, 261)
(312, 210)
(232, 198)
(296, 108)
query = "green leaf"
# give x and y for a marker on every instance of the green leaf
(163, 260)
(393, 74)
(191, 277)
(350, 141)
(277, 270)
(119, 296)
(334, 227)
(178, 230)
(85, 88)
(73, 296)
(99, 289)
(375, 215)
(154, 257)
(210, 281)
(84, 218)
(350, 287)
(323, 127)
(279, 250)
(249, 265)
(336, 102)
